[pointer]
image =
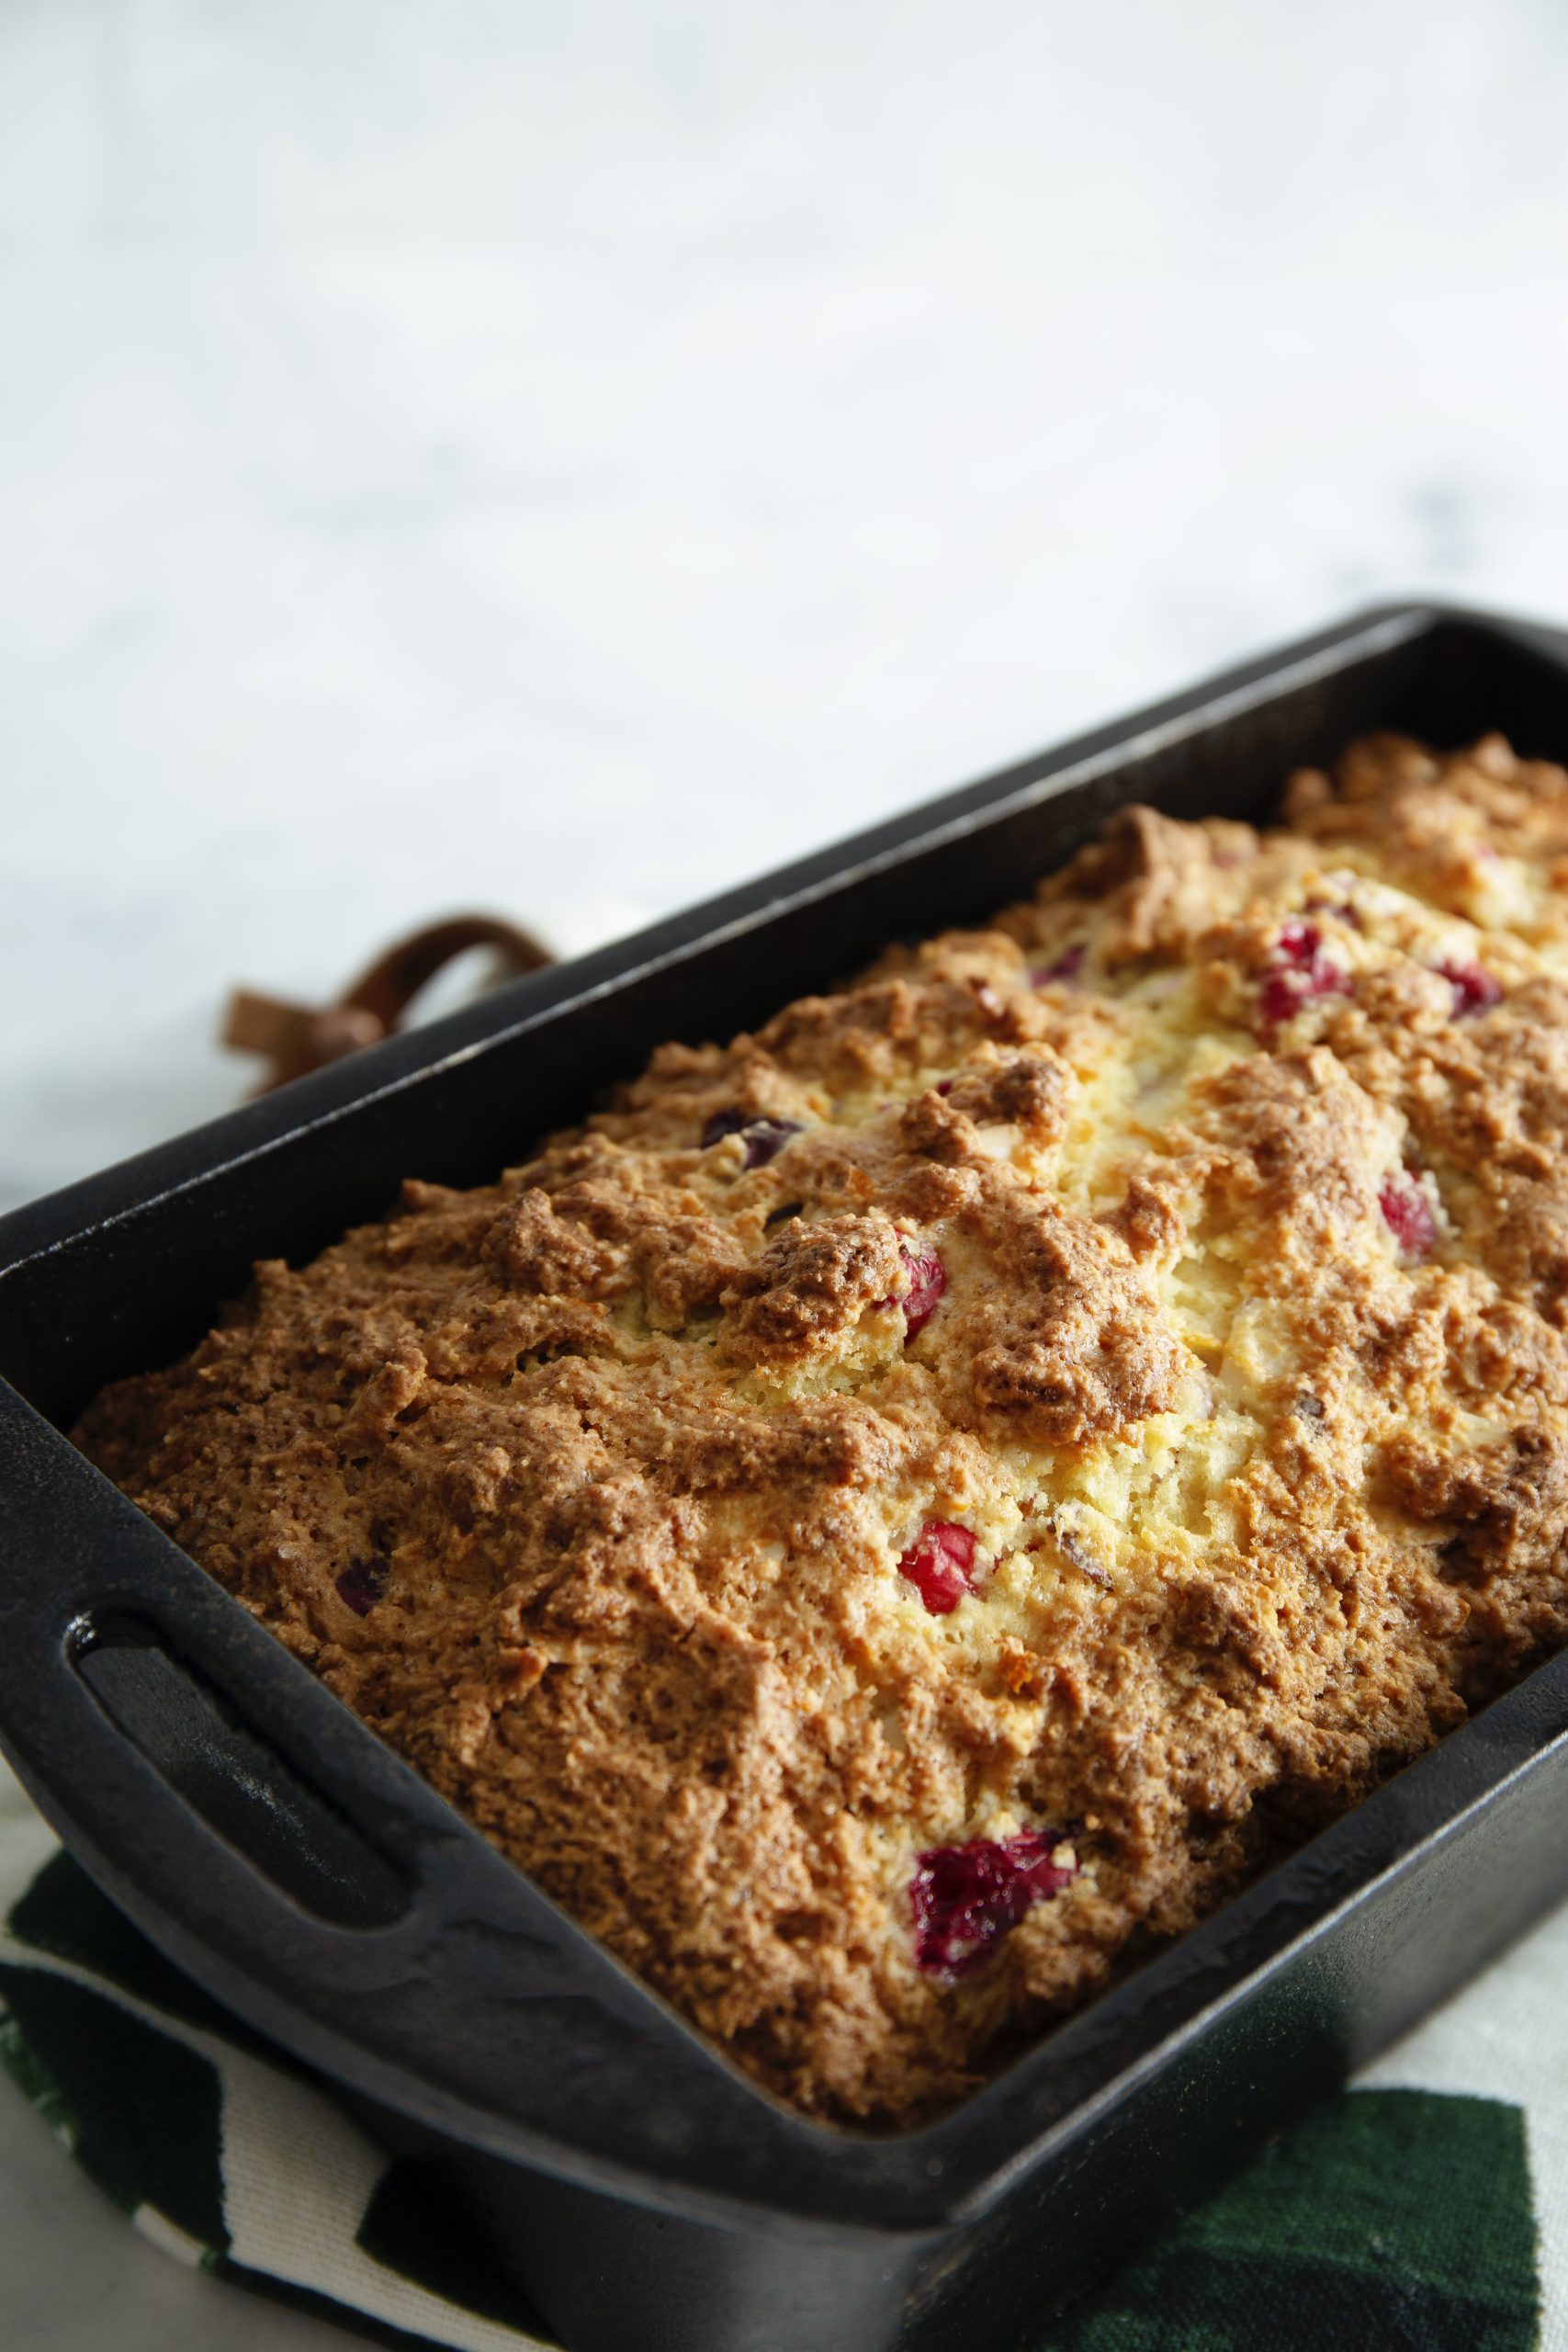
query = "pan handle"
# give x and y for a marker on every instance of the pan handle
(232, 1779)
(283, 1856)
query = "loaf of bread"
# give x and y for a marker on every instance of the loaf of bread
(911, 1507)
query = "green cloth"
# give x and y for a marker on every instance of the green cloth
(1412, 2213)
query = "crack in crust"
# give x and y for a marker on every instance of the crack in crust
(1194, 1241)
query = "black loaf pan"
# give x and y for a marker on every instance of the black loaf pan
(650, 2198)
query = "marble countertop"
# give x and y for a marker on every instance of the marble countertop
(565, 463)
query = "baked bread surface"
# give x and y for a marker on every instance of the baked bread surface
(1095, 1404)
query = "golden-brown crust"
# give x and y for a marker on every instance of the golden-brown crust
(1244, 1369)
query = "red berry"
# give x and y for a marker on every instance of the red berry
(362, 1585)
(927, 1280)
(1407, 1212)
(1067, 966)
(939, 1564)
(763, 1138)
(1305, 972)
(1281, 999)
(1474, 991)
(965, 1899)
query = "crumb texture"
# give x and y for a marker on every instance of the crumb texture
(910, 1508)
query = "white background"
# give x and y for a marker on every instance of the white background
(566, 459)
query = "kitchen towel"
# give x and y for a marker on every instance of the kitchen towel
(1425, 2209)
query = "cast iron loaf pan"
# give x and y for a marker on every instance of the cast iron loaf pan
(651, 2197)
